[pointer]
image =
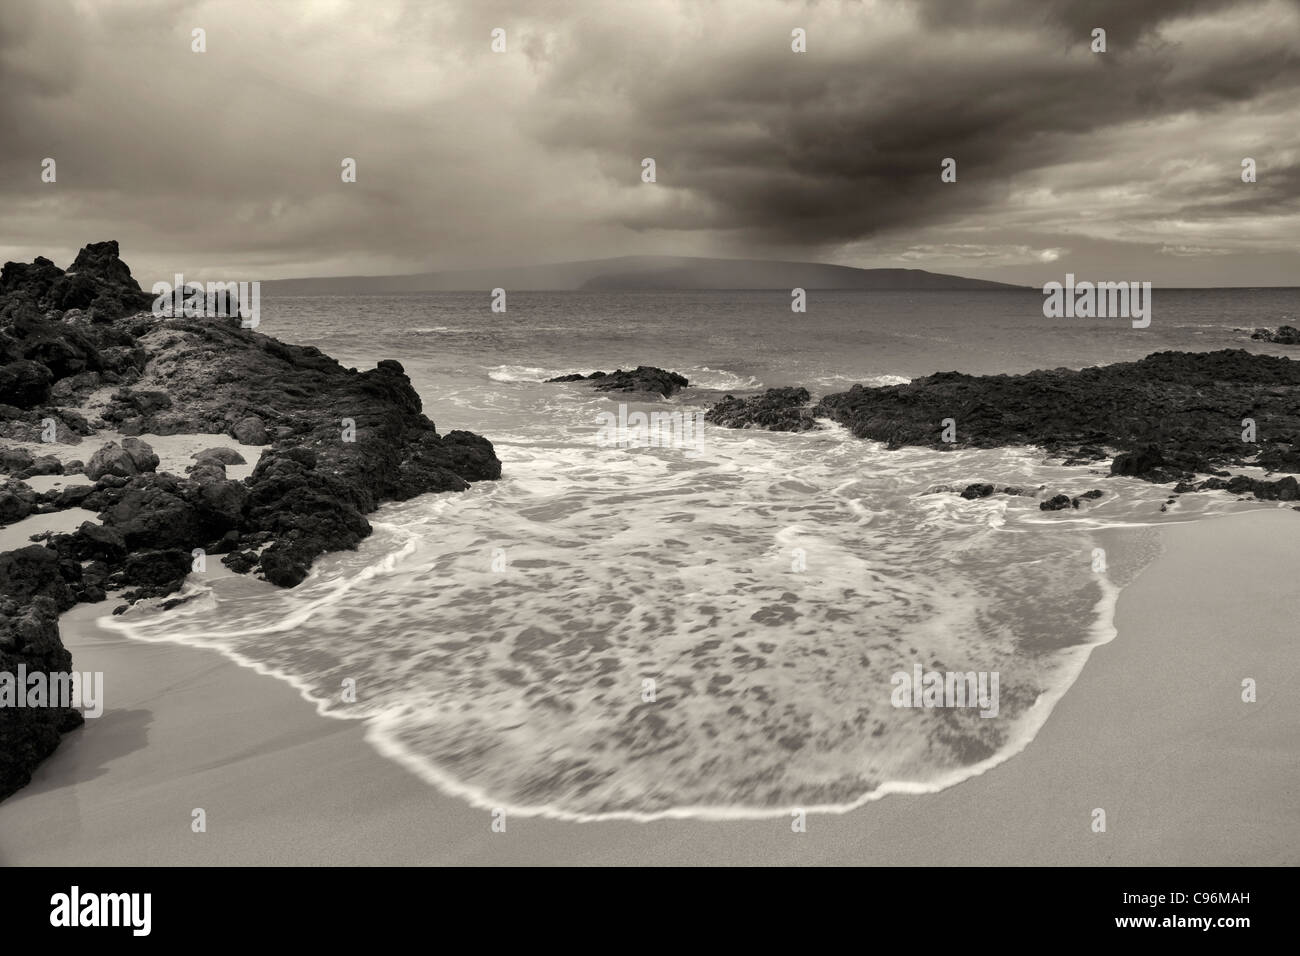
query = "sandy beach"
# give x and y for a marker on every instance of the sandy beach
(1154, 732)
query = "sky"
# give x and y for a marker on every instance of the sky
(1122, 165)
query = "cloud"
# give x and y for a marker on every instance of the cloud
(229, 159)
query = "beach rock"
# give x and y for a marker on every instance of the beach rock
(1283, 335)
(250, 431)
(1056, 503)
(151, 517)
(977, 491)
(142, 454)
(777, 409)
(203, 375)
(222, 502)
(29, 637)
(129, 458)
(1280, 456)
(226, 456)
(1140, 462)
(643, 378)
(122, 359)
(940, 490)
(25, 383)
(29, 282)
(241, 562)
(72, 496)
(17, 501)
(44, 465)
(1284, 489)
(31, 571)
(1169, 415)
(97, 542)
(14, 460)
(128, 404)
(97, 279)
(74, 387)
(207, 471)
(165, 568)
(285, 566)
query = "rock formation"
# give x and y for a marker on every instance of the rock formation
(339, 442)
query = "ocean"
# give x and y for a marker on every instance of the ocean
(712, 628)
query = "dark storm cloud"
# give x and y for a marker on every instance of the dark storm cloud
(230, 159)
(845, 142)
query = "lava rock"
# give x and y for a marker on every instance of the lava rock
(225, 456)
(643, 378)
(132, 457)
(250, 431)
(25, 383)
(777, 409)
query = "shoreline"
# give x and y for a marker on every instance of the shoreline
(186, 727)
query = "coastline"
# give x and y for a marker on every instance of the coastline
(1153, 731)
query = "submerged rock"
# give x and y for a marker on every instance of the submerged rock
(1282, 335)
(777, 409)
(643, 378)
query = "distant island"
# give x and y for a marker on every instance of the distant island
(630, 273)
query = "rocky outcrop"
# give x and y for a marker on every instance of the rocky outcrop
(974, 492)
(97, 283)
(29, 644)
(132, 457)
(1167, 416)
(643, 378)
(1282, 335)
(777, 409)
(339, 443)
(1283, 489)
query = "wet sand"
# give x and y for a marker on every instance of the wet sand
(1154, 732)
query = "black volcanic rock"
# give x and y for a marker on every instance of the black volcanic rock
(17, 501)
(132, 457)
(777, 409)
(221, 454)
(25, 383)
(1282, 335)
(29, 638)
(643, 378)
(341, 442)
(1284, 489)
(98, 279)
(1140, 462)
(1169, 414)
(33, 571)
